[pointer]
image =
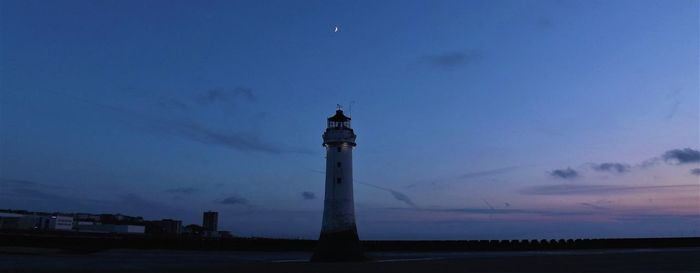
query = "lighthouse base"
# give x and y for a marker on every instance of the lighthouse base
(341, 246)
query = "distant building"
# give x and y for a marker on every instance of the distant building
(193, 229)
(10, 220)
(35, 221)
(165, 226)
(81, 222)
(58, 222)
(94, 227)
(210, 221)
(119, 219)
(128, 229)
(87, 217)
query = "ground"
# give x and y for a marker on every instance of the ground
(637, 260)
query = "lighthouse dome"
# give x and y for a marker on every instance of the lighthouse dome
(339, 120)
(339, 116)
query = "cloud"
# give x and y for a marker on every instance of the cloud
(37, 194)
(675, 97)
(569, 189)
(27, 183)
(206, 98)
(234, 200)
(612, 167)
(234, 140)
(134, 203)
(695, 171)
(307, 195)
(465, 176)
(452, 60)
(403, 198)
(171, 103)
(593, 206)
(478, 210)
(508, 211)
(182, 190)
(487, 172)
(397, 195)
(567, 173)
(17, 182)
(544, 22)
(681, 156)
(43, 196)
(242, 141)
(218, 95)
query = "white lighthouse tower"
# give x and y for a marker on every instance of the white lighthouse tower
(339, 240)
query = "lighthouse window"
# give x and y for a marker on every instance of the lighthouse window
(338, 164)
(337, 180)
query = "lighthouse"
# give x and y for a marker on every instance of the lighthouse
(338, 240)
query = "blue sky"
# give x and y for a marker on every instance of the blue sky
(475, 119)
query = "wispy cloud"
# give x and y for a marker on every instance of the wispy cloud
(681, 156)
(695, 171)
(573, 189)
(234, 200)
(11, 182)
(221, 95)
(675, 98)
(487, 172)
(135, 203)
(673, 157)
(38, 194)
(454, 59)
(182, 190)
(612, 167)
(242, 141)
(307, 195)
(593, 206)
(507, 211)
(196, 131)
(171, 104)
(397, 195)
(567, 173)
(63, 200)
(466, 176)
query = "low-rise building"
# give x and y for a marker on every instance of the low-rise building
(58, 222)
(164, 227)
(94, 227)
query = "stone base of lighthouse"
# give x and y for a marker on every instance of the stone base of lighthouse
(340, 246)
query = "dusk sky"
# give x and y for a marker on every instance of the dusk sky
(474, 119)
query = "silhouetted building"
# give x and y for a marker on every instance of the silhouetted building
(118, 219)
(35, 221)
(193, 229)
(164, 227)
(94, 227)
(339, 240)
(58, 222)
(210, 221)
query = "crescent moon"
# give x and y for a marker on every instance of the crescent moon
(336, 29)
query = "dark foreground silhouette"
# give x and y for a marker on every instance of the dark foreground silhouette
(22, 251)
(172, 261)
(338, 247)
(83, 242)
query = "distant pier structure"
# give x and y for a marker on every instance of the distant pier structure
(338, 241)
